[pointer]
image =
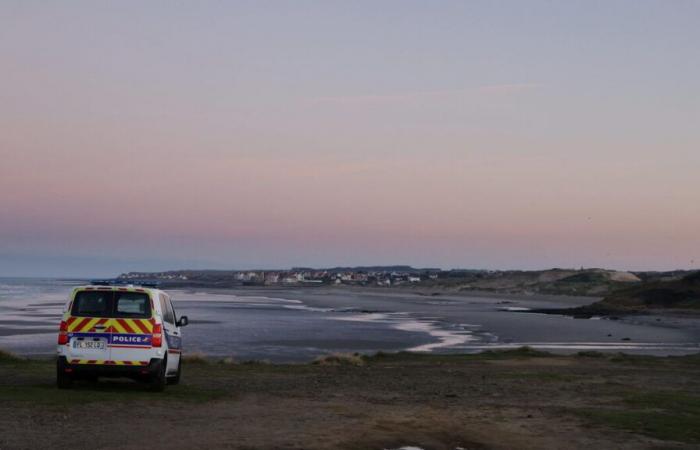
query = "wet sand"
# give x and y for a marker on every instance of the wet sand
(289, 324)
(475, 321)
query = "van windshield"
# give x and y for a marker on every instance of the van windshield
(112, 304)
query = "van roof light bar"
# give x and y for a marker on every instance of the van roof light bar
(125, 282)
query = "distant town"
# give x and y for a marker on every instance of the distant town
(379, 276)
(582, 281)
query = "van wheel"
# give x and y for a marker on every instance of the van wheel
(176, 378)
(63, 380)
(158, 380)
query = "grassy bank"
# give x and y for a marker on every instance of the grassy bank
(505, 399)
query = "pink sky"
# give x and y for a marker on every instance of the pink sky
(170, 141)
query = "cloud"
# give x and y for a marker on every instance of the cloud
(489, 90)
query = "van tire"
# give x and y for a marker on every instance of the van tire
(176, 379)
(63, 380)
(158, 379)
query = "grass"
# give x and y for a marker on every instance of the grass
(667, 415)
(590, 354)
(524, 352)
(340, 359)
(539, 376)
(102, 392)
(516, 353)
(195, 358)
(200, 359)
(6, 356)
(658, 410)
(24, 380)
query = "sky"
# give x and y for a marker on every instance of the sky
(269, 134)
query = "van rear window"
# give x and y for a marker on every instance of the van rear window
(91, 303)
(111, 304)
(132, 304)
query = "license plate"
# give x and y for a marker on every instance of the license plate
(89, 345)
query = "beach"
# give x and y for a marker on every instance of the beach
(297, 324)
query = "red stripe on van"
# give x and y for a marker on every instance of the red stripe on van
(82, 322)
(142, 326)
(125, 325)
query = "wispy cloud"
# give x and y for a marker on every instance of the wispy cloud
(490, 89)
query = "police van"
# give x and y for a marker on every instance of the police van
(110, 329)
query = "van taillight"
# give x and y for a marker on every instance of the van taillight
(63, 333)
(157, 338)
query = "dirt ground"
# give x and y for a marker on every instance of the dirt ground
(508, 400)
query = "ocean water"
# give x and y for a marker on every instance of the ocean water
(289, 325)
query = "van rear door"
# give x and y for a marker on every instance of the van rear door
(131, 326)
(88, 327)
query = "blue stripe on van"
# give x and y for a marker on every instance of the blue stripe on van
(117, 338)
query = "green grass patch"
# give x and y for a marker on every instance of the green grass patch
(671, 401)
(664, 415)
(102, 392)
(538, 376)
(590, 354)
(524, 352)
(516, 353)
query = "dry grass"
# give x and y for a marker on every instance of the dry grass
(8, 356)
(340, 359)
(195, 358)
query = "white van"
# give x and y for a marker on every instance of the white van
(115, 330)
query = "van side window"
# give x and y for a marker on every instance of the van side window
(168, 315)
(172, 310)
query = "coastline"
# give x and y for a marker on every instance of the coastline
(491, 320)
(299, 323)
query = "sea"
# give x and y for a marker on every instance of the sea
(291, 324)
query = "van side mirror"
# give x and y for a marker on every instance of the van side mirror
(183, 321)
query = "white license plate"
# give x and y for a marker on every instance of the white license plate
(89, 345)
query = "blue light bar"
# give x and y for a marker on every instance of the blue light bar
(125, 282)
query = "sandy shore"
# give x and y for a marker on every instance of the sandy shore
(297, 323)
(474, 320)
